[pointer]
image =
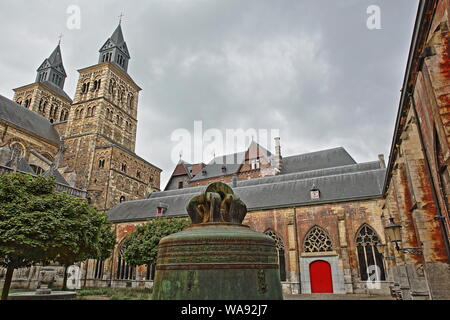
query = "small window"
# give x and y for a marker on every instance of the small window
(101, 163)
(124, 167)
(180, 185)
(122, 199)
(138, 174)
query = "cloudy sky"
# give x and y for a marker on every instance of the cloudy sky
(310, 68)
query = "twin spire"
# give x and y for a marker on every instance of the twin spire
(115, 50)
(52, 69)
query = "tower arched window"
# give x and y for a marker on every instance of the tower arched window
(27, 102)
(317, 240)
(44, 107)
(111, 86)
(280, 248)
(101, 163)
(370, 260)
(122, 199)
(124, 167)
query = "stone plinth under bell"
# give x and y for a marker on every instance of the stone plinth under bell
(217, 260)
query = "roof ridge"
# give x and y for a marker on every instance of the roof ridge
(311, 178)
(313, 152)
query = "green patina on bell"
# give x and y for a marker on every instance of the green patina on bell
(217, 258)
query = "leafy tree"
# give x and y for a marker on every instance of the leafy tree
(38, 225)
(141, 247)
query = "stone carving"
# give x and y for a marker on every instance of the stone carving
(262, 283)
(73, 277)
(217, 204)
(46, 278)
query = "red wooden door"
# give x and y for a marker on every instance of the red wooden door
(320, 274)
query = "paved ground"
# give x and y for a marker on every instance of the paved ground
(322, 296)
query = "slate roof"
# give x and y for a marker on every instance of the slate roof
(117, 36)
(231, 163)
(54, 61)
(317, 160)
(52, 172)
(352, 182)
(27, 120)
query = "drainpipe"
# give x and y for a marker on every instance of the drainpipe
(440, 216)
(298, 251)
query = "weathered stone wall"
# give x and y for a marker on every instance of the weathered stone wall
(10, 134)
(44, 101)
(418, 184)
(341, 221)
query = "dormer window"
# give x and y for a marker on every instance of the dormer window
(315, 193)
(255, 164)
(224, 169)
(161, 209)
(204, 172)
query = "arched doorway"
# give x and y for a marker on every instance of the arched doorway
(321, 279)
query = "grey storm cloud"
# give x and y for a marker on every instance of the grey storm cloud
(311, 69)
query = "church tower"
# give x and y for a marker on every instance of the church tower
(46, 95)
(100, 135)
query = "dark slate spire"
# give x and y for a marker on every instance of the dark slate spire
(52, 69)
(115, 50)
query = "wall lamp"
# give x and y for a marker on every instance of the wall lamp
(393, 232)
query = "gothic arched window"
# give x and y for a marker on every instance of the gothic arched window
(317, 240)
(124, 270)
(368, 255)
(280, 248)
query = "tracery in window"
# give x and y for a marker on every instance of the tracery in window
(368, 255)
(280, 248)
(317, 240)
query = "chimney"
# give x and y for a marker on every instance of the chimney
(278, 159)
(382, 162)
(234, 181)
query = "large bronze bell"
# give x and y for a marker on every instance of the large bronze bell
(217, 258)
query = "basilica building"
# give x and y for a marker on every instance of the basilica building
(92, 137)
(340, 226)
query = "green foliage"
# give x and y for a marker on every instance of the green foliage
(141, 247)
(115, 294)
(38, 225)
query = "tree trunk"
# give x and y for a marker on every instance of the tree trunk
(64, 287)
(7, 284)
